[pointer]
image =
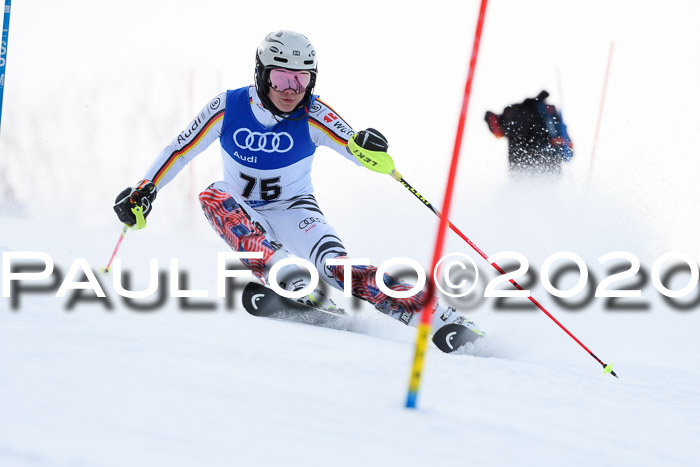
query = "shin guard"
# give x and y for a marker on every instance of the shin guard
(231, 221)
(364, 286)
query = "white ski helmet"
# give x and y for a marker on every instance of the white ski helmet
(284, 49)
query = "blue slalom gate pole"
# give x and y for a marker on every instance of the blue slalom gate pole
(3, 51)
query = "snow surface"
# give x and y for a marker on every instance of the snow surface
(91, 98)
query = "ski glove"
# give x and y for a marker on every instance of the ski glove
(369, 147)
(371, 139)
(494, 123)
(130, 199)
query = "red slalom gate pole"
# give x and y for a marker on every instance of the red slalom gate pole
(427, 312)
(600, 111)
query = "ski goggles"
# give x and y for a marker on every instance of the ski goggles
(297, 81)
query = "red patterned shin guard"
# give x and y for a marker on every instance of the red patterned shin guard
(234, 225)
(364, 286)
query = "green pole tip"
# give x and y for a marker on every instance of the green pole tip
(608, 369)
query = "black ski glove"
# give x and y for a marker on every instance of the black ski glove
(143, 195)
(370, 149)
(371, 139)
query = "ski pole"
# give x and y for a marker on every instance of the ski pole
(398, 177)
(140, 224)
(105, 269)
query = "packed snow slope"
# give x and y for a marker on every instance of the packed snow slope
(86, 384)
(88, 105)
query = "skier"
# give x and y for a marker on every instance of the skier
(538, 142)
(269, 133)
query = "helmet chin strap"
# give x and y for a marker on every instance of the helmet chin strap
(272, 108)
(288, 116)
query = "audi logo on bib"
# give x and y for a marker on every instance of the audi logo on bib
(265, 142)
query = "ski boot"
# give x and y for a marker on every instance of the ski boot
(316, 299)
(453, 330)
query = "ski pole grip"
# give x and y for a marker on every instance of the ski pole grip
(376, 161)
(140, 219)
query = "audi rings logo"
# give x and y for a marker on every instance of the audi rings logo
(265, 142)
(309, 221)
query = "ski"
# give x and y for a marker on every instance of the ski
(453, 336)
(262, 301)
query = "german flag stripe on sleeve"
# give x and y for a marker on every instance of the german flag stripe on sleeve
(331, 123)
(327, 131)
(186, 148)
(329, 108)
